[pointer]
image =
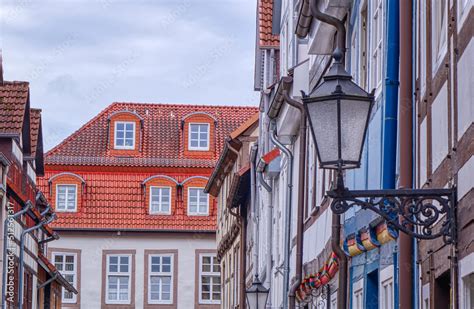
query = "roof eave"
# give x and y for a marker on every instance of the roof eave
(278, 99)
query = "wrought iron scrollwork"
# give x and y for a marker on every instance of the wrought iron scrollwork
(421, 213)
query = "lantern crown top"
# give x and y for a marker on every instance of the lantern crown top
(337, 82)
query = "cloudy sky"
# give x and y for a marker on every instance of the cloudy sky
(81, 55)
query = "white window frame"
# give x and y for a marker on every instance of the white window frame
(118, 274)
(466, 290)
(386, 279)
(210, 274)
(466, 267)
(64, 272)
(377, 38)
(358, 293)
(116, 123)
(199, 148)
(160, 204)
(161, 273)
(17, 152)
(425, 295)
(439, 42)
(197, 213)
(65, 205)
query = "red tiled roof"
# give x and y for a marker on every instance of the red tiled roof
(113, 195)
(162, 136)
(115, 200)
(245, 126)
(35, 119)
(13, 100)
(265, 14)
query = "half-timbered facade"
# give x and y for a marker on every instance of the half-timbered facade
(445, 142)
(28, 278)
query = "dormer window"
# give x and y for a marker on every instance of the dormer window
(198, 202)
(160, 200)
(124, 135)
(198, 136)
(66, 198)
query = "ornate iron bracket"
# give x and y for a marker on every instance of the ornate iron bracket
(421, 213)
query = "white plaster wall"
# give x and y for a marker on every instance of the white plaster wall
(316, 237)
(465, 179)
(466, 89)
(439, 127)
(92, 245)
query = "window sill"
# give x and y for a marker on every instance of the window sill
(159, 213)
(198, 149)
(66, 211)
(198, 215)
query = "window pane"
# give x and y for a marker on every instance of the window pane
(129, 126)
(166, 282)
(113, 268)
(119, 126)
(155, 268)
(167, 260)
(124, 260)
(119, 135)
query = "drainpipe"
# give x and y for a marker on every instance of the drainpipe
(338, 24)
(268, 188)
(406, 147)
(243, 258)
(287, 221)
(253, 205)
(336, 248)
(6, 223)
(22, 253)
(389, 150)
(3, 183)
(336, 219)
(301, 198)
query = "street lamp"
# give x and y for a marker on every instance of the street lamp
(339, 112)
(257, 295)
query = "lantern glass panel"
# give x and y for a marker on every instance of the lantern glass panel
(354, 116)
(323, 115)
(262, 300)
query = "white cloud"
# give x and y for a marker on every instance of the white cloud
(81, 55)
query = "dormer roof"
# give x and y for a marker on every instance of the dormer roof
(162, 136)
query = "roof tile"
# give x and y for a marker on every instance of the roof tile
(13, 101)
(265, 16)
